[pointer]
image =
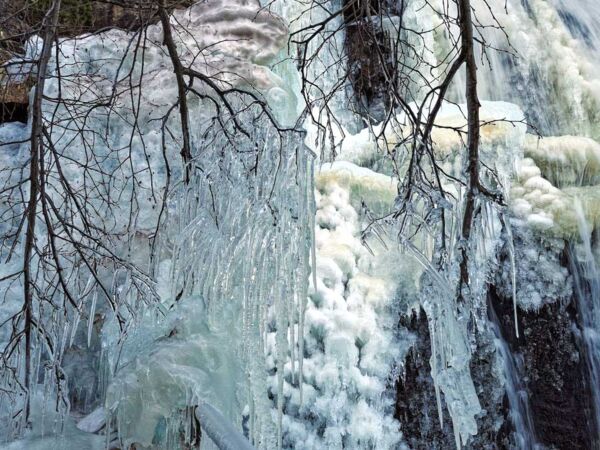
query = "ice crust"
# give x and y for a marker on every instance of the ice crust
(190, 361)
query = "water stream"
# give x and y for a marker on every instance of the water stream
(586, 276)
(520, 413)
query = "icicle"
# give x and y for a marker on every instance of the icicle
(62, 340)
(513, 271)
(74, 327)
(292, 337)
(457, 436)
(434, 371)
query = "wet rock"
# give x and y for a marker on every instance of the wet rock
(416, 406)
(555, 374)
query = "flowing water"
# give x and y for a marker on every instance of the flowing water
(520, 413)
(554, 76)
(584, 267)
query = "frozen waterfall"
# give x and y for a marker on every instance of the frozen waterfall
(226, 252)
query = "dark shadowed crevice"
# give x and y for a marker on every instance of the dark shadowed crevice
(369, 50)
(13, 112)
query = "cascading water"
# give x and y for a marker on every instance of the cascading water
(518, 399)
(584, 266)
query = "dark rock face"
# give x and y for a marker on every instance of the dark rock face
(553, 372)
(14, 100)
(78, 16)
(370, 55)
(366, 47)
(416, 406)
(556, 379)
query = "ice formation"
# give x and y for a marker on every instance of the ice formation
(265, 168)
(557, 172)
(227, 321)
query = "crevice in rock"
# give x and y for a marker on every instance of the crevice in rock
(13, 112)
(367, 46)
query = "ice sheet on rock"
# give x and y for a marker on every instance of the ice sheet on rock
(540, 275)
(96, 68)
(239, 39)
(376, 190)
(566, 160)
(193, 361)
(327, 90)
(220, 430)
(93, 422)
(502, 137)
(545, 207)
(351, 341)
(51, 430)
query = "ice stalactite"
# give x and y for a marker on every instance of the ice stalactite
(238, 239)
(253, 252)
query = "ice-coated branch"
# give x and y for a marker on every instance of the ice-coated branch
(186, 151)
(50, 23)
